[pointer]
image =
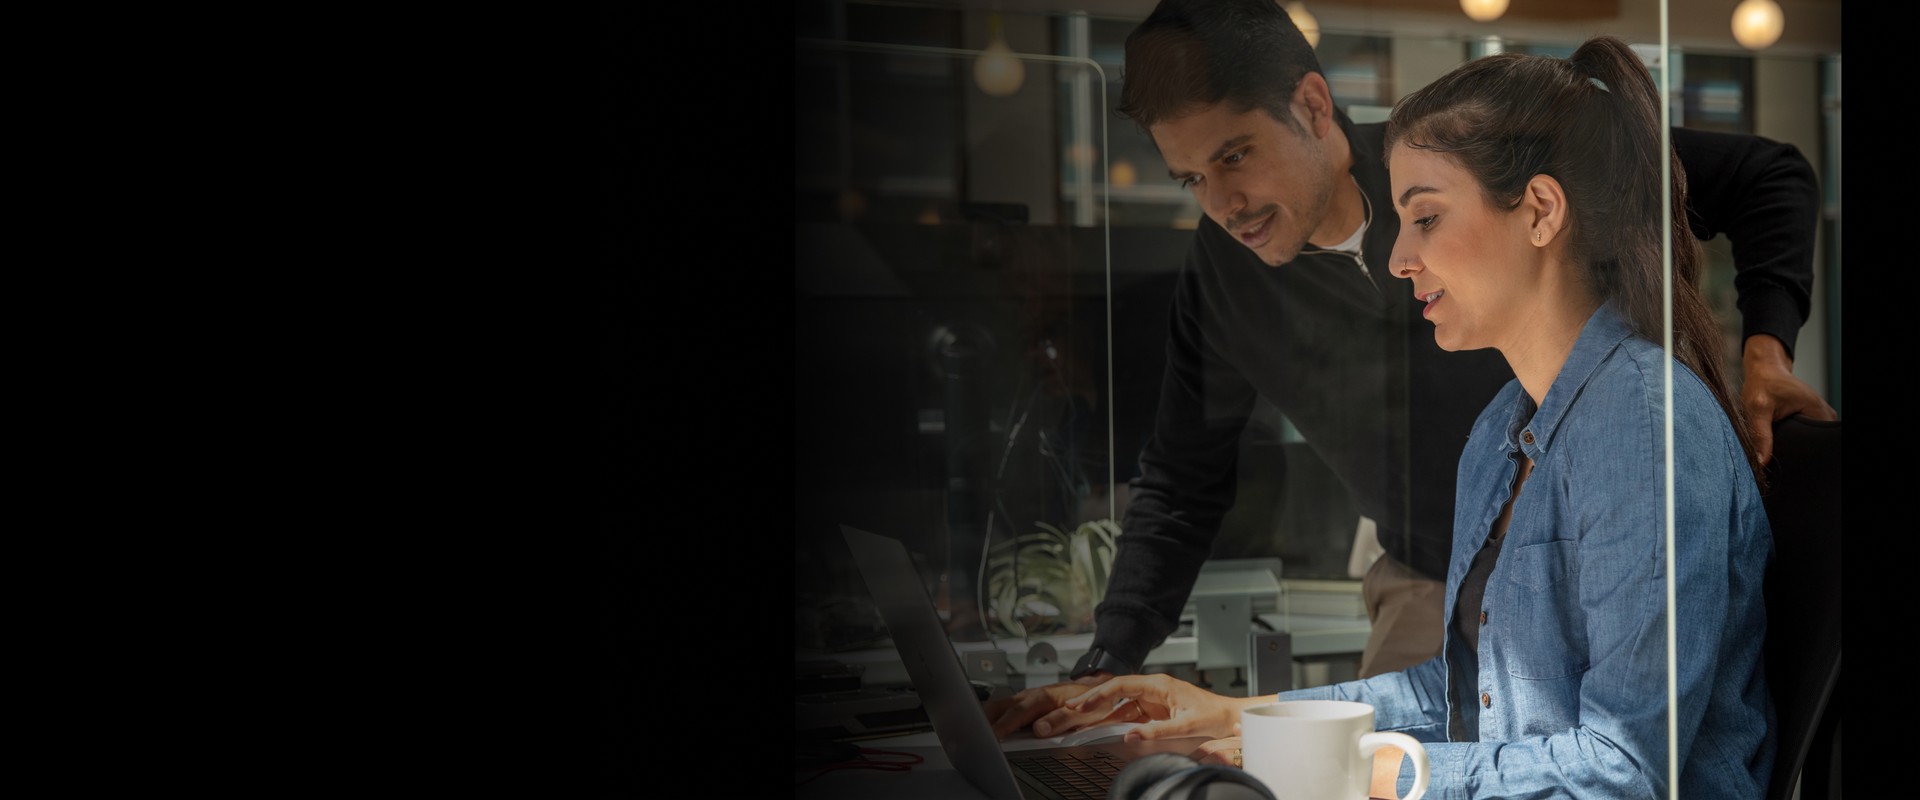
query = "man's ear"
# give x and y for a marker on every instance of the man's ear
(1545, 204)
(1313, 103)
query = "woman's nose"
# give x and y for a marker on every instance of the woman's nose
(1402, 262)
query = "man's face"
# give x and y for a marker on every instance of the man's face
(1264, 182)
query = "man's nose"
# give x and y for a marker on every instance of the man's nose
(1225, 201)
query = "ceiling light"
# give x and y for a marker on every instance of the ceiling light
(1484, 10)
(1757, 23)
(1309, 27)
(998, 71)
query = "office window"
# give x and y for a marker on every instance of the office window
(1359, 69)
(878, 136)
(1716, 92)
(1711, 92)
(1124, 175)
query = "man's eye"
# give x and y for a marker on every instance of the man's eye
(1189, 181)
(1235, 158)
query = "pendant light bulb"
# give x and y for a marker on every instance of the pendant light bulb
(1484, 10)
(1757, 24)
(998, 71)
(1309, 27)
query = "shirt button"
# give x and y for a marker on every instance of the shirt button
(1486, 700)
(1526, 436)
(1483, 617)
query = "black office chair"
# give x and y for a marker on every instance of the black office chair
(1803, 605)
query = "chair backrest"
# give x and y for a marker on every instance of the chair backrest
(1803, 601)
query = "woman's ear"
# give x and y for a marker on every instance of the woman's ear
(1545, 204)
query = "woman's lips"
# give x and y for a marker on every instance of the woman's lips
(1431, 298)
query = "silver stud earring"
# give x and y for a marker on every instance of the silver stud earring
(1536, 236)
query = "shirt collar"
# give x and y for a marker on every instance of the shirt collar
(1603, 332)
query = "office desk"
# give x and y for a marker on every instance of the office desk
(935, 779)
(1313, 635)
(932, 779)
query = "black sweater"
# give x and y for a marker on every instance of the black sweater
(1340, 350)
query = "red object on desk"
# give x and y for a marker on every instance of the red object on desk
(890, 761)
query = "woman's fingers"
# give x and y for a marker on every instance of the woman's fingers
(1067, 719)
(1175, 727)
(1225, 752)
(1125, 686)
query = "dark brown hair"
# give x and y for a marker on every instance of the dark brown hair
(1192, 53)
(1592, 122)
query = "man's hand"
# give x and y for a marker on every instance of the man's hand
(1010, 714)
(1174, 708)
(1769, 392)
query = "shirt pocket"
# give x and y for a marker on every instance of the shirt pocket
(1549, 632)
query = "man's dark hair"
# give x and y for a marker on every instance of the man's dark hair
(1190, 53)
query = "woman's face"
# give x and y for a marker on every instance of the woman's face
(1471, 264)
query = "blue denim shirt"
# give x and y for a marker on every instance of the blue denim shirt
(1571, 698)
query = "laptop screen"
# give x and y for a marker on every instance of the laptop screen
(929, 657)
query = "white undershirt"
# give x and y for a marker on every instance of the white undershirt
(1352, 244)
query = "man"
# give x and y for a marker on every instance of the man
(1285, 295)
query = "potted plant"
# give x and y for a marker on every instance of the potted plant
(1048, 581)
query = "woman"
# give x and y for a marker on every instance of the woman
(1529, 196)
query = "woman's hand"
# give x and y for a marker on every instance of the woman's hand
(1225, 752)
(1040, 706)
(1173, 708)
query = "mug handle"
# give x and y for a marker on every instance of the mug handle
(1374, 741)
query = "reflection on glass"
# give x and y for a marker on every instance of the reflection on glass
(954, 376)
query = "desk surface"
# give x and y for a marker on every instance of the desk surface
(932, 779)
(935, 779)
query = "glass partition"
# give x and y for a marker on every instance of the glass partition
(1786, 92)
(955, 379)
(988, 258)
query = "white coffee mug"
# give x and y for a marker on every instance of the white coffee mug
(1320, 749)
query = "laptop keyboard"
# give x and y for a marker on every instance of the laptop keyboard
(1073, 776)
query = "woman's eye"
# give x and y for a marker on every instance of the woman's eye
(1426, 222)
(1235, 158)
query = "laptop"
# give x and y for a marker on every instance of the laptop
(959, 721)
